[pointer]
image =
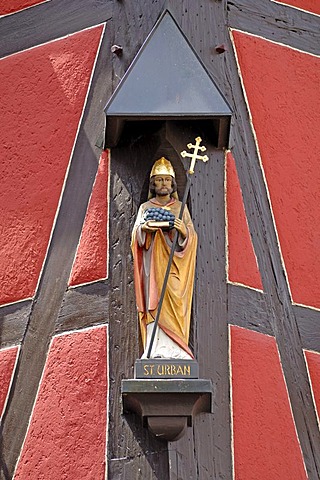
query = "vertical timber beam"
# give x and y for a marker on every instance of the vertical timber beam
(205, 451)
(131, 448)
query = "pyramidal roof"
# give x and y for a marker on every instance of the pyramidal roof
(167, 79)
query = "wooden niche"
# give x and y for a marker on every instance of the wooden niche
(157, 109)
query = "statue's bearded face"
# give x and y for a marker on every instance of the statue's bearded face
(162, 185)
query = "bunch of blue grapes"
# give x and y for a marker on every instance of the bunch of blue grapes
(158, 214)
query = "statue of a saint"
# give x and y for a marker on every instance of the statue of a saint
(151, 244)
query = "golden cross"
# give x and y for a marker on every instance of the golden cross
(194, 156)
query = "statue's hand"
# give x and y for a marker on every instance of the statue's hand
(146, 227)
(180, 226)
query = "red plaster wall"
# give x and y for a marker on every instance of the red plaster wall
(7, 362)
(41, 108)
(242, 262)
(12, 6)
(312, 6)
(91, 258)
(313, 362)
(265, 441)
(67, 434)
(282, 87)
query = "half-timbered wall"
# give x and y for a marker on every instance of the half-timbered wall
(68, 329)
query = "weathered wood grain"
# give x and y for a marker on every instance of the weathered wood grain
(84, 307)
(204, 24)
(134, 467)
(132, 451)
(276, 22)
(211, 453)
(247, 308)
(88, 306)
(309, 327)
(49, 21)
(13, 322)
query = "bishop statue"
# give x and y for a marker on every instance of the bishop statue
(152, 238)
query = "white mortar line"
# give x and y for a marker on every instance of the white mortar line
(231, 401)
(290, 406)
(71, 156)
(108, 212)
(25, 8)
(54, 40)
(108, 401)
(227, 233)
(259, 155)
(40, 384)
(17, 347)
(226, 223)
(107, 233)
(296, 8)
(311, 384)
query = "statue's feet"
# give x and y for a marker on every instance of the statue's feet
(167, 353)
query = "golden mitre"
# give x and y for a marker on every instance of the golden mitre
(162, 167)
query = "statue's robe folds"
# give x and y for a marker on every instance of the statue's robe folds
(151, 253)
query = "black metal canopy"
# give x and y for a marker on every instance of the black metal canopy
(167, 81)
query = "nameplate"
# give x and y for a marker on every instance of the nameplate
(162, 368)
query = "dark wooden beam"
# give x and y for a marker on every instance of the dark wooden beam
(49, 21)
(204, 24)
(309, 327)
(247, 308)
(131, 448)
(208, 447)
(84, 307)
(13, 322)
(276, 22)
